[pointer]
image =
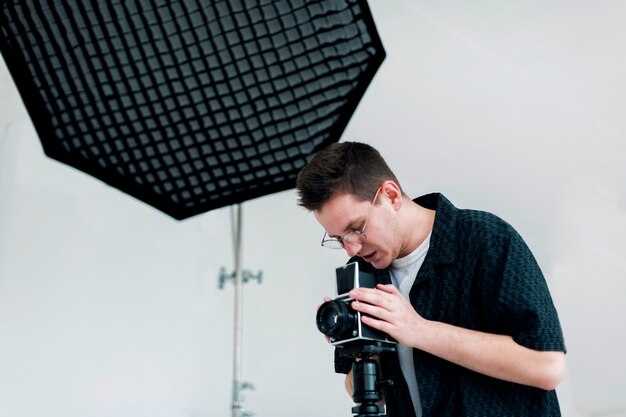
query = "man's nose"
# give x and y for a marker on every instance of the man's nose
(352, 248)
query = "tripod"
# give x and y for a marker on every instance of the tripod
(365, 385)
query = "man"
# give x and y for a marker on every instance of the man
(458, 289)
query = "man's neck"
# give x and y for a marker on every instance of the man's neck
(418, 226)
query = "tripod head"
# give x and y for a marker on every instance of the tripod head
(365, 385)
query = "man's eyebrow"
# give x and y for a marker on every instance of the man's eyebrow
(350, 228)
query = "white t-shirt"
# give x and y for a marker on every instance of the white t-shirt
(403, 273)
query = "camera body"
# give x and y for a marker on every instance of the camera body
(338, 320)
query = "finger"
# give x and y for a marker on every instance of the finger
(388, 288)
(380, 290)
(373, 296)
(326, 299)
(377, 324)
(371, 310)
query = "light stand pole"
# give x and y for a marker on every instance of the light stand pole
(239, 277)
(237, 356)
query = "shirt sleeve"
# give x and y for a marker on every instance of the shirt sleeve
(518, 295)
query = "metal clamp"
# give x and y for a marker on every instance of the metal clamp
(246, 276)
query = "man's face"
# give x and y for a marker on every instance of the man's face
(344, 213)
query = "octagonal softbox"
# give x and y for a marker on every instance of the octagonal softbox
(189, 105)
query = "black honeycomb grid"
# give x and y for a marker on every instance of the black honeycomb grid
(190, 105)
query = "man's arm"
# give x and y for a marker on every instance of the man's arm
(348, 382)
(498, 356)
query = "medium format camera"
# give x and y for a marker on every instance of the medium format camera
(338, 320)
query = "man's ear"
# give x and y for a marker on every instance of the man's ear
(392, 191)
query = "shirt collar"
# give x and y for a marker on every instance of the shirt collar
(443, 239)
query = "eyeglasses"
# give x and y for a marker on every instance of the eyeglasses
(355, 236)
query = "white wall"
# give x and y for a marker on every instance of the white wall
(110, 308)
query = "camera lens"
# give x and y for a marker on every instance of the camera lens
(336, 319)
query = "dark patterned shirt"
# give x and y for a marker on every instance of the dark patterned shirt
(478, 274)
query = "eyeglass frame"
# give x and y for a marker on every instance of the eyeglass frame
(345, 238)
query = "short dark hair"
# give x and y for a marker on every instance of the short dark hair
(348, 167)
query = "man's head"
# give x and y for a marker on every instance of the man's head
(342, 168)
(356, 198)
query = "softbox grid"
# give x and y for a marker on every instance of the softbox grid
(190, 105)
